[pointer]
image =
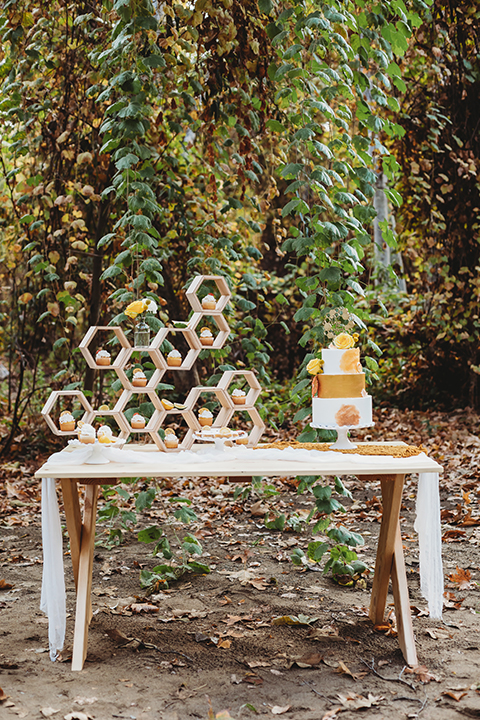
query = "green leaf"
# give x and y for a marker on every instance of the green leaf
(265, 6)
(150, 534)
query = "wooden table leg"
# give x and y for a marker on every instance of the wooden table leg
(390, 563)
(84, 586)
(74, 521)
(403, 615)
(392, 487)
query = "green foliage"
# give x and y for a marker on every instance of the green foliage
(342, 561)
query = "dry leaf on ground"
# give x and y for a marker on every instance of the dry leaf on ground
(356, 702)
(279, 710)
(454, 695)
(49, 711)
(423, 674)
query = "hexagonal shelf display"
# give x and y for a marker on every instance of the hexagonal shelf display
(258, 425)
(188, 439)
(220, 338)
(222, 287)
(189, 354)
(152, 382)
(187, 360)
(222, 418)
(87, 340)
(254, 391)
(53, 399)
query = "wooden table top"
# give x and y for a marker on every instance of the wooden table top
(252, 462)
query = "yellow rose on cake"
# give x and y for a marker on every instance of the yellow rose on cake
(344, 341)
(315, 366)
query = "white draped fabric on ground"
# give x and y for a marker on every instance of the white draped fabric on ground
(427, 524)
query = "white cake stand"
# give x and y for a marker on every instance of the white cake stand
(219, 440)
(342, 442)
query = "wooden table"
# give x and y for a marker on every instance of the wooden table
(389, 564)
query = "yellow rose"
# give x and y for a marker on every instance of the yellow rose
(343, 341)
(135, 308)
(315, 366)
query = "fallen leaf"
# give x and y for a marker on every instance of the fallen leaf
(258, 663)
(309, 660)
(422, 673)
(48, 711)
(462, 578)
(293, 620)
(342, 669)
(224, 644)
(356, 702)
(77, 716)
(4, 585)
(118, 637)
(332, 714)
(439, 634)
(454, 695)
(3, 697)
(279, 710)
(143, 607)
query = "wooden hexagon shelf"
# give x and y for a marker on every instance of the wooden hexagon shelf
(222, 287)
(152, 382)
(223, 329)
(120, 335)
(226, 409)
(254, 391)
(50, 404)
(193, 342)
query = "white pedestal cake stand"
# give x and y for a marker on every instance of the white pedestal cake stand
(342, 442)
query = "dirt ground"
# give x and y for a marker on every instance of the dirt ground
(224, 644)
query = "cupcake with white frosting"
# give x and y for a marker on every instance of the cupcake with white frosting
(209, 302)
(137, 422)
(206, 337)
(105, 435)
(66, 421)
(171, 440)
(174, 358)
(238, 397)
(139, 378)
(205, 417)
(103, 357)
(86, 434)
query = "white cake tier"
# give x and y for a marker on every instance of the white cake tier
(341, 362)
(342, 412)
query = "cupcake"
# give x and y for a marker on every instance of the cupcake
(225, 432)
(174, 359)
(206, 337)
(102, 357)
(171, 440)
(209, 302)
(137, 422)
(139, 378)
(205, 417)
(105, 435)
(242, 440)
(66, 421)
(86, 434)
(238, 397)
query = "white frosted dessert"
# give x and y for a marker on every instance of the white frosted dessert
(174, 358)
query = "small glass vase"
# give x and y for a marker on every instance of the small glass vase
(141, 335)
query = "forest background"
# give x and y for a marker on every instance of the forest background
(146, 142)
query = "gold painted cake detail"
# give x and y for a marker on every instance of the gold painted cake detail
(338, 386)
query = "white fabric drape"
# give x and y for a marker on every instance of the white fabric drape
(52, 601)
(427, 524)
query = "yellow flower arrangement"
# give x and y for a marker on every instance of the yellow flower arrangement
(138, 307)
(315, 366)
